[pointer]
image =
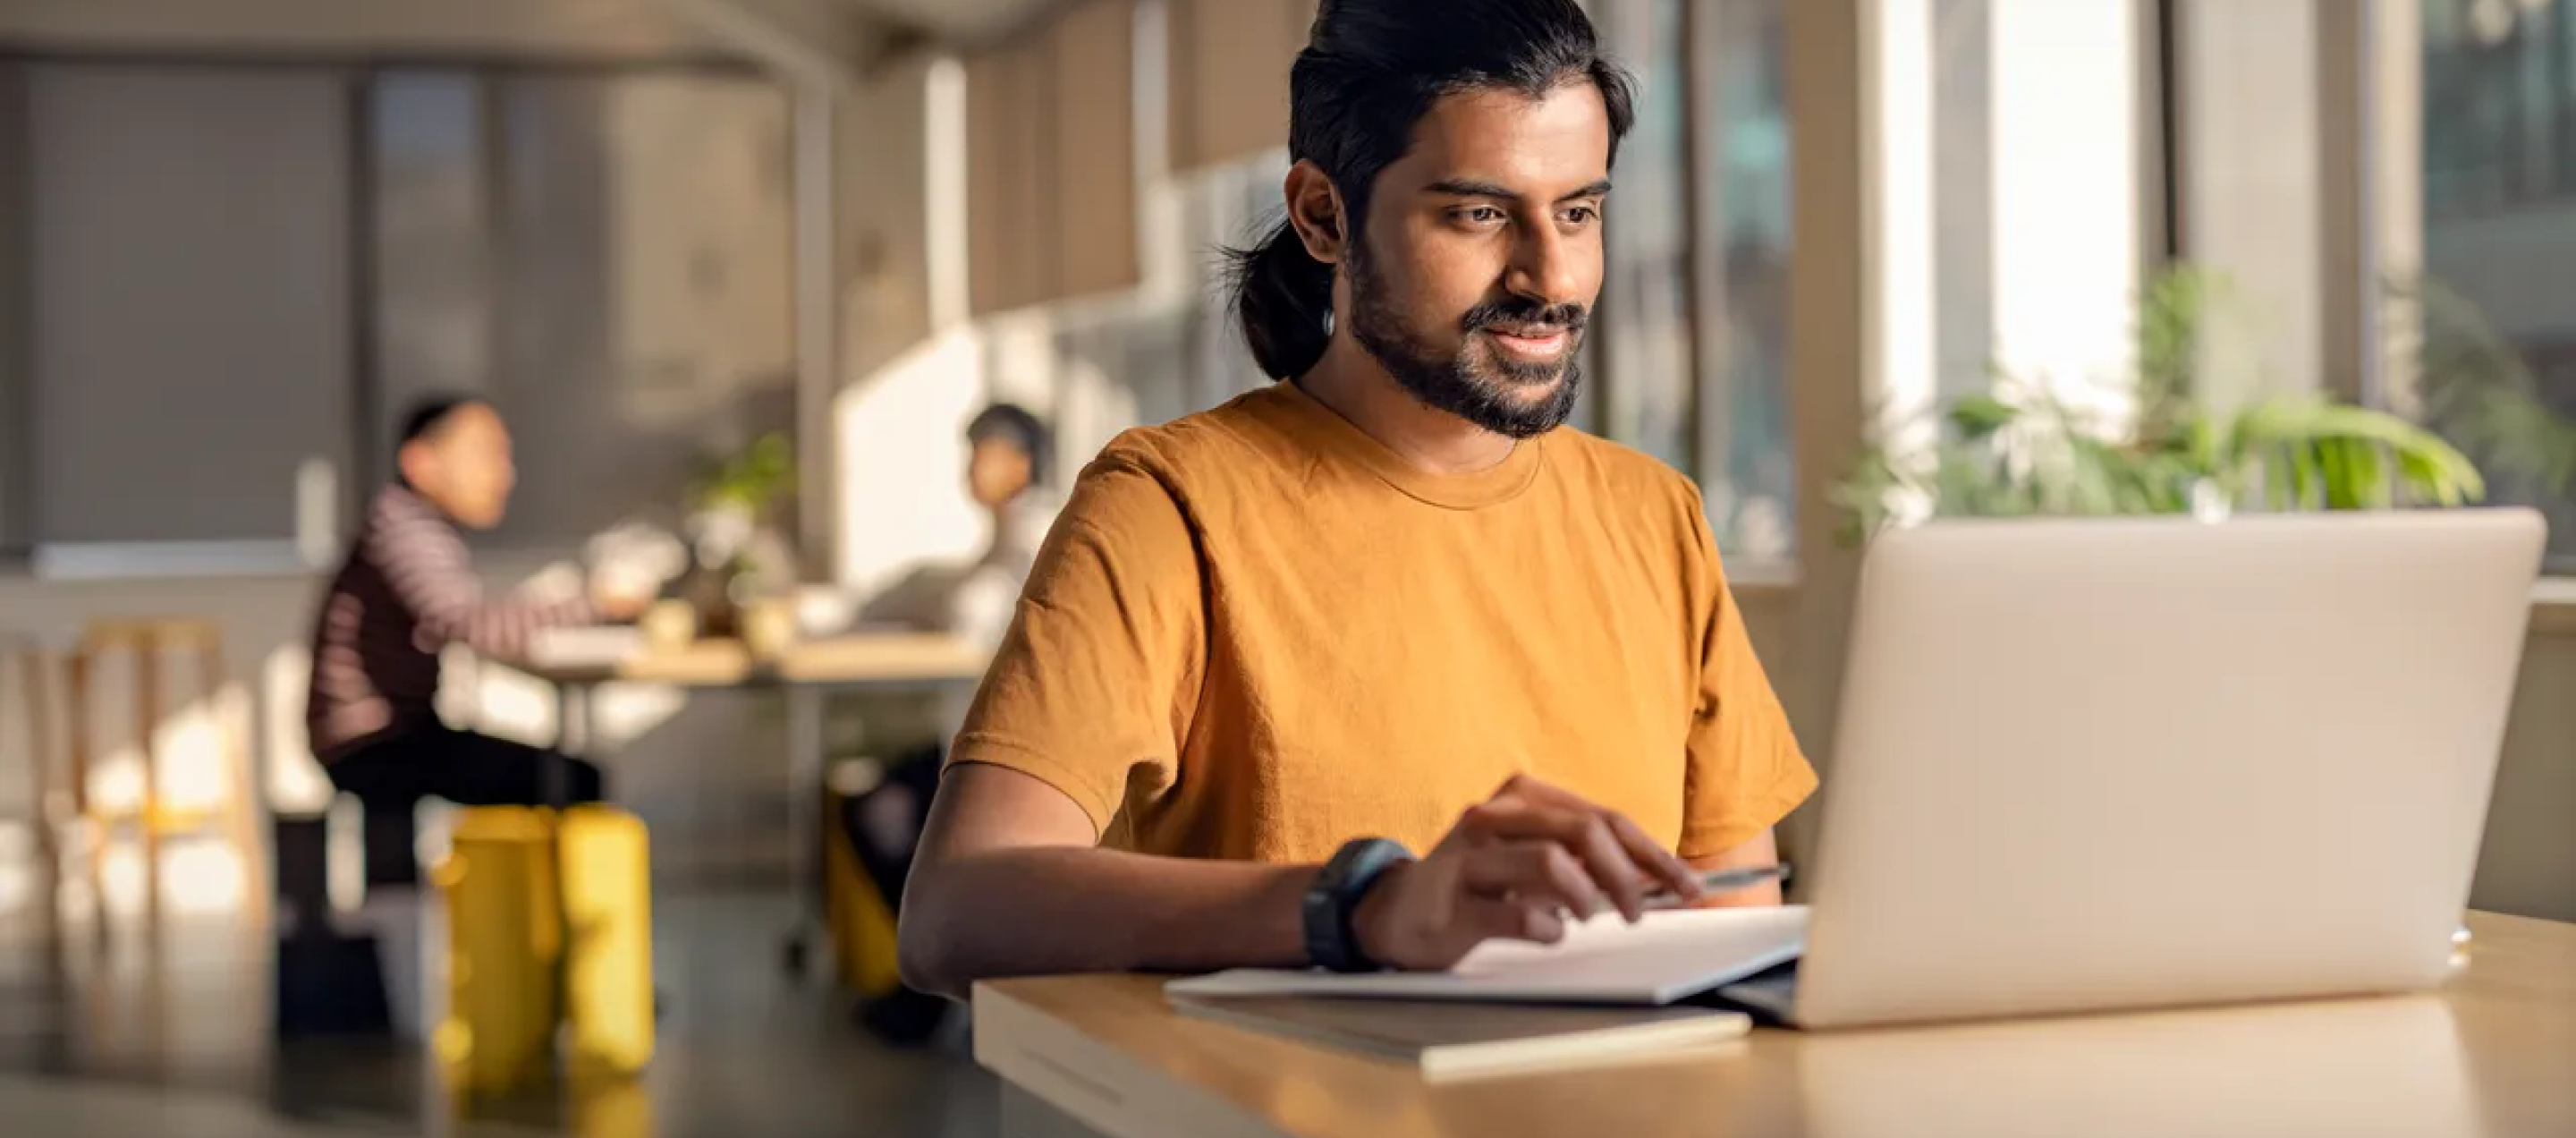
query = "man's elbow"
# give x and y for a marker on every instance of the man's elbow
(924, 954)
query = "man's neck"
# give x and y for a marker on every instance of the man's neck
(432, 504)
(1356, 387)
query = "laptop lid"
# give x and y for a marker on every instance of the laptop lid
(2088, 764)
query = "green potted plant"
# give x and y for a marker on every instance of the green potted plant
(2021, 450)
(739, 549)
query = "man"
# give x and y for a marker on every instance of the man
(1275, 659)
(406, 591)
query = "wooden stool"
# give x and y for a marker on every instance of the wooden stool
(35, 668)
(147, 642)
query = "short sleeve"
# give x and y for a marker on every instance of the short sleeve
(1746, 771)
(1092, 686)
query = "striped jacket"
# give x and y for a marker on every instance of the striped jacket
(406, 590)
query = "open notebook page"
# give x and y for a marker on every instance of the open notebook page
(1665, 957)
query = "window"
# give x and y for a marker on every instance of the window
(622, 292)
(188, 315)
(1745, 468)
(2498, 146)
(1690, 342)
(1644, 329)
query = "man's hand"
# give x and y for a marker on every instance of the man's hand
(618, 605)
(1515, 866)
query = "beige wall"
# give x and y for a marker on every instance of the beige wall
(911, 372)
(1052, 177)
(1229, 62)
(2529, 863)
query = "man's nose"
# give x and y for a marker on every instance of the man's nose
(1543, 267)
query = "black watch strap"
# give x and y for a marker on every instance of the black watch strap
(1335, 896)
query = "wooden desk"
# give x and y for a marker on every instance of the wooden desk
(2493, 1053)
(805, 671)
(858, 660)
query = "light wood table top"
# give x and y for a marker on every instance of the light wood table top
(860, 658)
(2492, 1053)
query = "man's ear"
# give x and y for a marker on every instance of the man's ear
(1315, 209)
(413, 461)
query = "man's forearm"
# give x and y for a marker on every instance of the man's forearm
(1058, 910)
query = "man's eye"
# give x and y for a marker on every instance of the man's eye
(1582, 214)
(1480, 215)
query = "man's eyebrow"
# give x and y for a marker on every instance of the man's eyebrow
(1471, 188)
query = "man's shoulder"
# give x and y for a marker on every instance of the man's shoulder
(1154, 484)
(1239, 439)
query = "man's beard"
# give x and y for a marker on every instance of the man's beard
(1455, 383)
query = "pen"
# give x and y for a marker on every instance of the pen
(1721, 881)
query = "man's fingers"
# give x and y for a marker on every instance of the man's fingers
(1590, 835)
(1539, 871)
(1493, 918)
(1662, 864)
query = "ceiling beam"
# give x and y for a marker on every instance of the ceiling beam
(810, 42)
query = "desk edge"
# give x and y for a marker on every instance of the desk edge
(1100, 1086)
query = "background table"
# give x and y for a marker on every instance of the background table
(805, 672)
(2492, 1053)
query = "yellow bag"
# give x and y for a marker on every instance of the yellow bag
(861, 923)
(549, 925)
(608, 918)
(505, 948)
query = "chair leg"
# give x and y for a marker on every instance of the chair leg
(147, 712)
(40, 759)
(249, 796)
(76, 677)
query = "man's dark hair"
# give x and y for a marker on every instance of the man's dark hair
(427, 414)
(1018, 426)
(1370, 71)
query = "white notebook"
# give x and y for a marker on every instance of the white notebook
(1665, 957)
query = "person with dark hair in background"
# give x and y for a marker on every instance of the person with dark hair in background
(1009, 453)
(406, 591)
(1380, 662)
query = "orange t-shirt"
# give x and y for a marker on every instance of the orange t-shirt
(1256, 633)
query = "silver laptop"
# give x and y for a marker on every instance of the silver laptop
(2098, 764)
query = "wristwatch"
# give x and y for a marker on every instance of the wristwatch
(1335, 896)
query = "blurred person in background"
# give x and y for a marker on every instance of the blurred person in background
(1010, 451)
(1380, 662)
(406, 591)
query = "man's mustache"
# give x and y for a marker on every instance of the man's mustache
(1527, 315)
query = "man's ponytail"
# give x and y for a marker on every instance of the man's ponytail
(1284, 299)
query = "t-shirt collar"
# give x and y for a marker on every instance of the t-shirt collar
(1493, 485)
